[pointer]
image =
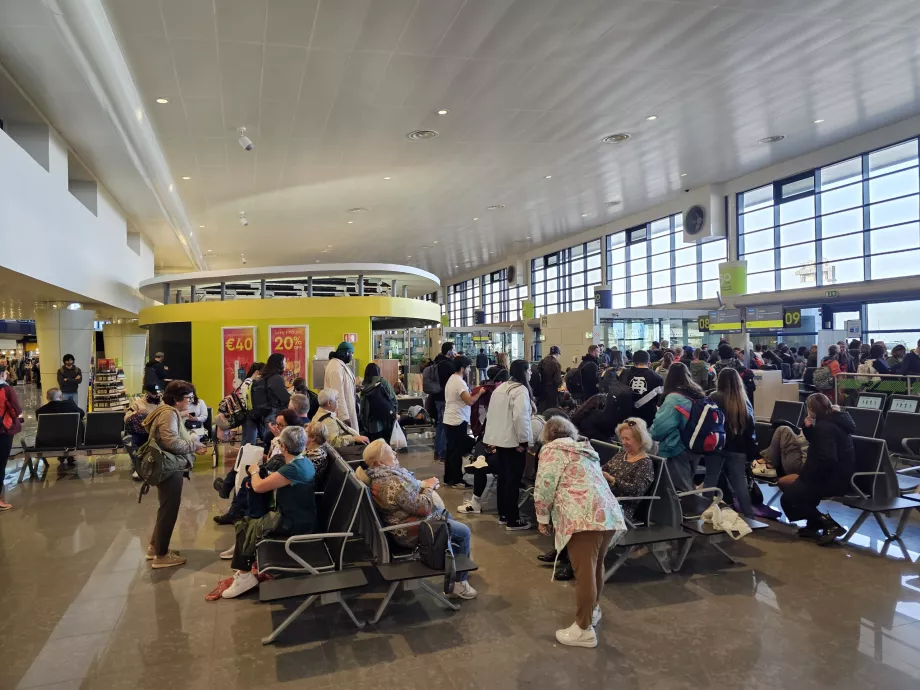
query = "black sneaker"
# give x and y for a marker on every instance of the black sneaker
(548, 557)
(831, 530)
(564, 571)
(518, 525)
(225, 519)
(808, 533)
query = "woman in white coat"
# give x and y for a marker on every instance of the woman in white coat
(341, 378)
(508, 429)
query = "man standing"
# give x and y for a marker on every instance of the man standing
(339, 376)
(156, 373)
(590, 371)
(482, 364)
(445, 370)
(551, 379)
(69, 379)
(645, 385)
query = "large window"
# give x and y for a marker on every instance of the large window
(462, 301)
(895, 323)
(565, 280)
(501, 302)
(847, 222)
(652, 265)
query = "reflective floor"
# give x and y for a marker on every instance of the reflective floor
(81, 609)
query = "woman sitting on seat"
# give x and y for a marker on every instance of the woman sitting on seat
(296, 509)
(631, 472)
(826, 472)
(402, 498)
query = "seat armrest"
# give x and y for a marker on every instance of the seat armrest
(863, 474)
(401, 525)
(620, 499)
(317, 537)
(699, 492)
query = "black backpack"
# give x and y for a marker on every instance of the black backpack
(260, 397)
(436, 551)
(379, 405)
(573, 383)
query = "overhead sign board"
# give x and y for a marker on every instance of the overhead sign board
(765, 318)
(725, 321)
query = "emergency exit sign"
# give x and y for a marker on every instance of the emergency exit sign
(830, 293)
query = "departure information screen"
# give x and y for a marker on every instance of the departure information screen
(767, 318)
(725, 321)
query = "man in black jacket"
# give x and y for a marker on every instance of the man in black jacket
(482, 365)
(57, 404)
(590, 372)
(156, 373)
(645, 385)
(445, 371)
(550, 380)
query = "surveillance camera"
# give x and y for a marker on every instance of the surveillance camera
(245, 141)
(243, 257)
(687, 191)
(244, 260)
(244, 221)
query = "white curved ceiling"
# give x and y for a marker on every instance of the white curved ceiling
(328, 89)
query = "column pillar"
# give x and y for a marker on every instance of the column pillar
(127, 343)
(61, 332)
(361, 285)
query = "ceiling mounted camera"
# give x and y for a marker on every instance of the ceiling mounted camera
(244, 221)
(245, 141)
(243, 257)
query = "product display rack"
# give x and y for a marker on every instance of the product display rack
(109, 393)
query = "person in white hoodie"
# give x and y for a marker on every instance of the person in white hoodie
(508, 429)
(341, 378)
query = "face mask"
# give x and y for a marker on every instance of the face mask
(347, 358)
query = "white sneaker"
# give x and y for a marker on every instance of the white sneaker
(228, 554)
(135, 476)
(573, 636)
(464, 590)
(763, 471)
(470, 507)
(242, 583)
(596, 616)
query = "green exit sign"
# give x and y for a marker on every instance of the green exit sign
(830, 293)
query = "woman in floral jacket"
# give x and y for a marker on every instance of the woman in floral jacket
(572, 494)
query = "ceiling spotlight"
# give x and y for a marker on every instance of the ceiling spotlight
(548, 177)
(683, 174)
(245, 141)
(818, 122)
(456, 265)
(443, 112)
(200, 226)
(351, 222)
(612, 203)
(358, 209)
(615, 138)
(421, 135)
(528, 237)
(163, 101)
(409, 256)
(244, 221)
(386, 178)
(495, 207)
(435, 241)
(773, 139)
(584, 215)
(186, 177)
(475, 219)
(317, 261)
(243, 257)
(650, 118)
(210, 251)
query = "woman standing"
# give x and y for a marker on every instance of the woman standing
(667, 359)
(164, 425)
(630, 472)
(740, 448)
(573, 496)
(250, 426)
(508, 429)
(378, 405)
(457, 403)
(10, 425)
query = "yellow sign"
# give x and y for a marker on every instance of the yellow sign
(527, 309)
(733, 278)
(702, 322)
(792, 318)
(445, 320)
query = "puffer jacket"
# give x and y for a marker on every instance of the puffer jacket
(668, 424)
(508, 422)
(165, 427)
(571, 492)
(701, 374)
(401, 498)
(831, 457)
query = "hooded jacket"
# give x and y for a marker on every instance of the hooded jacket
(701, 374)
(668, 424)
(508, 423)
(589, 376)
(571, 492)
(831, 458)
(340, 377)
(165, 427)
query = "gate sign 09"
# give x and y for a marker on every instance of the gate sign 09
(792, 318)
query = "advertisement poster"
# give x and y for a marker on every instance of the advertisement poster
(293, 343)
(733, 278)
(239, 347)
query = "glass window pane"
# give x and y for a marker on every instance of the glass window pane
(618, 286)
(686, 293)
(661, 244)
(577, 250)
(799, 186)
(577, 266)
(684, 257)
(552, 285)
(594, 246)
(762, 261)
(799, 255)
(661, 226)
(594, 277)
(758, 241)
(761, 282)
(758, 220)
(594, 261)
(685, 274)
(897, 238)
(893, 158)
(842, 247)
(577, 280)
(842, 223)
(714, 249)
(617, 271)
(710, 287)
(617, 240)
(799, 209)
(710, 271)
(661, 262)
(843, 198)
(794, 233)
(638, 299)
(538, 275)
(661, 295)
(841, 174)
(792, 278)
(552, 309)
(890, 186)
(578, 293)
(894, 212)
(552, 272)
(638, 251)
(618, 256)
(893, 316)
(850, 271)
(895, 265)
(638, 282)
(661, 279)
(619, 301)
(638, 266)
(757, 198)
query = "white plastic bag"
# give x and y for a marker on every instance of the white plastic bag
(398, 438)
(726, 520)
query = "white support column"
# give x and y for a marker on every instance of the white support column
(61, 332)
(127, 342)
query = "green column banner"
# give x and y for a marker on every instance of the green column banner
(445, 320)
(527, 309)
(733, 278)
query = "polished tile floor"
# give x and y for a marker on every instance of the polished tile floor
(79, 608)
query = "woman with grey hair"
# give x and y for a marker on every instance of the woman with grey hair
(338, 432)
(295, 500)
(631, 472)
(572, 495)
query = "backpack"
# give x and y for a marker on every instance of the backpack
(868, 368)
(379, 405)
(573, 383)
(260, 403)
(822, 379)
(233, 408)
(155, 464)
(135, 423)
(7, 413)
(436, 551)
(704, 431)
(314, 403)
(431, 381)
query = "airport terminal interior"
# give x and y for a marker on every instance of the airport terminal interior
(460, 344)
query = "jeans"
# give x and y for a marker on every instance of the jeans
(169, 491)
(483, 375)
(734, 466)
(440, 440)
(458, 444)
(461, 538)
(6, 445)
(250, 432)
(70, 396)
(510, 472)
(682, 469)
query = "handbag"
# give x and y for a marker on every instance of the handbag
(435, 549)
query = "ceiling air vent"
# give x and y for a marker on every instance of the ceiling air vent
(421, 135)
(615, 139)
(773, 139)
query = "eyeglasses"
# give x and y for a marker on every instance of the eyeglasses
(190, 398)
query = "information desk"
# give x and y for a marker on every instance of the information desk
(770, 388)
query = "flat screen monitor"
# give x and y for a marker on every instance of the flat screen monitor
(767, 318)
(905, 405)
(871, 401)
(725, 321)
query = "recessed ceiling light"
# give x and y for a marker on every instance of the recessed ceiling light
(818, 122)
(200, 226)
(584, 215)
(650, 118)
(612, 203)
(435, 241)
(773, 139)
(191, 234)
(683, 174)
(350, 222)
(443, 111)
(328, 246)
(495, 207)
(475, 219)
(317, 261)
(456, 265)
(615, 138)
(186, 177)
(163, 100)
(548, 177)
(210, 250)
(386, 178)
(528, 237)
(421, 135)
(325, 251)
(358, 209)
(409, 256)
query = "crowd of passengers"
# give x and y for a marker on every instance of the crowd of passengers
(538, 417)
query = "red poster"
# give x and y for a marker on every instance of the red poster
(292, 342)
(239, 347)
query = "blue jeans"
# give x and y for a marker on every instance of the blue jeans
(70, 396)
(461, 538)
(440, 438)
(251, 432)
(734, 466)
(682, 469)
